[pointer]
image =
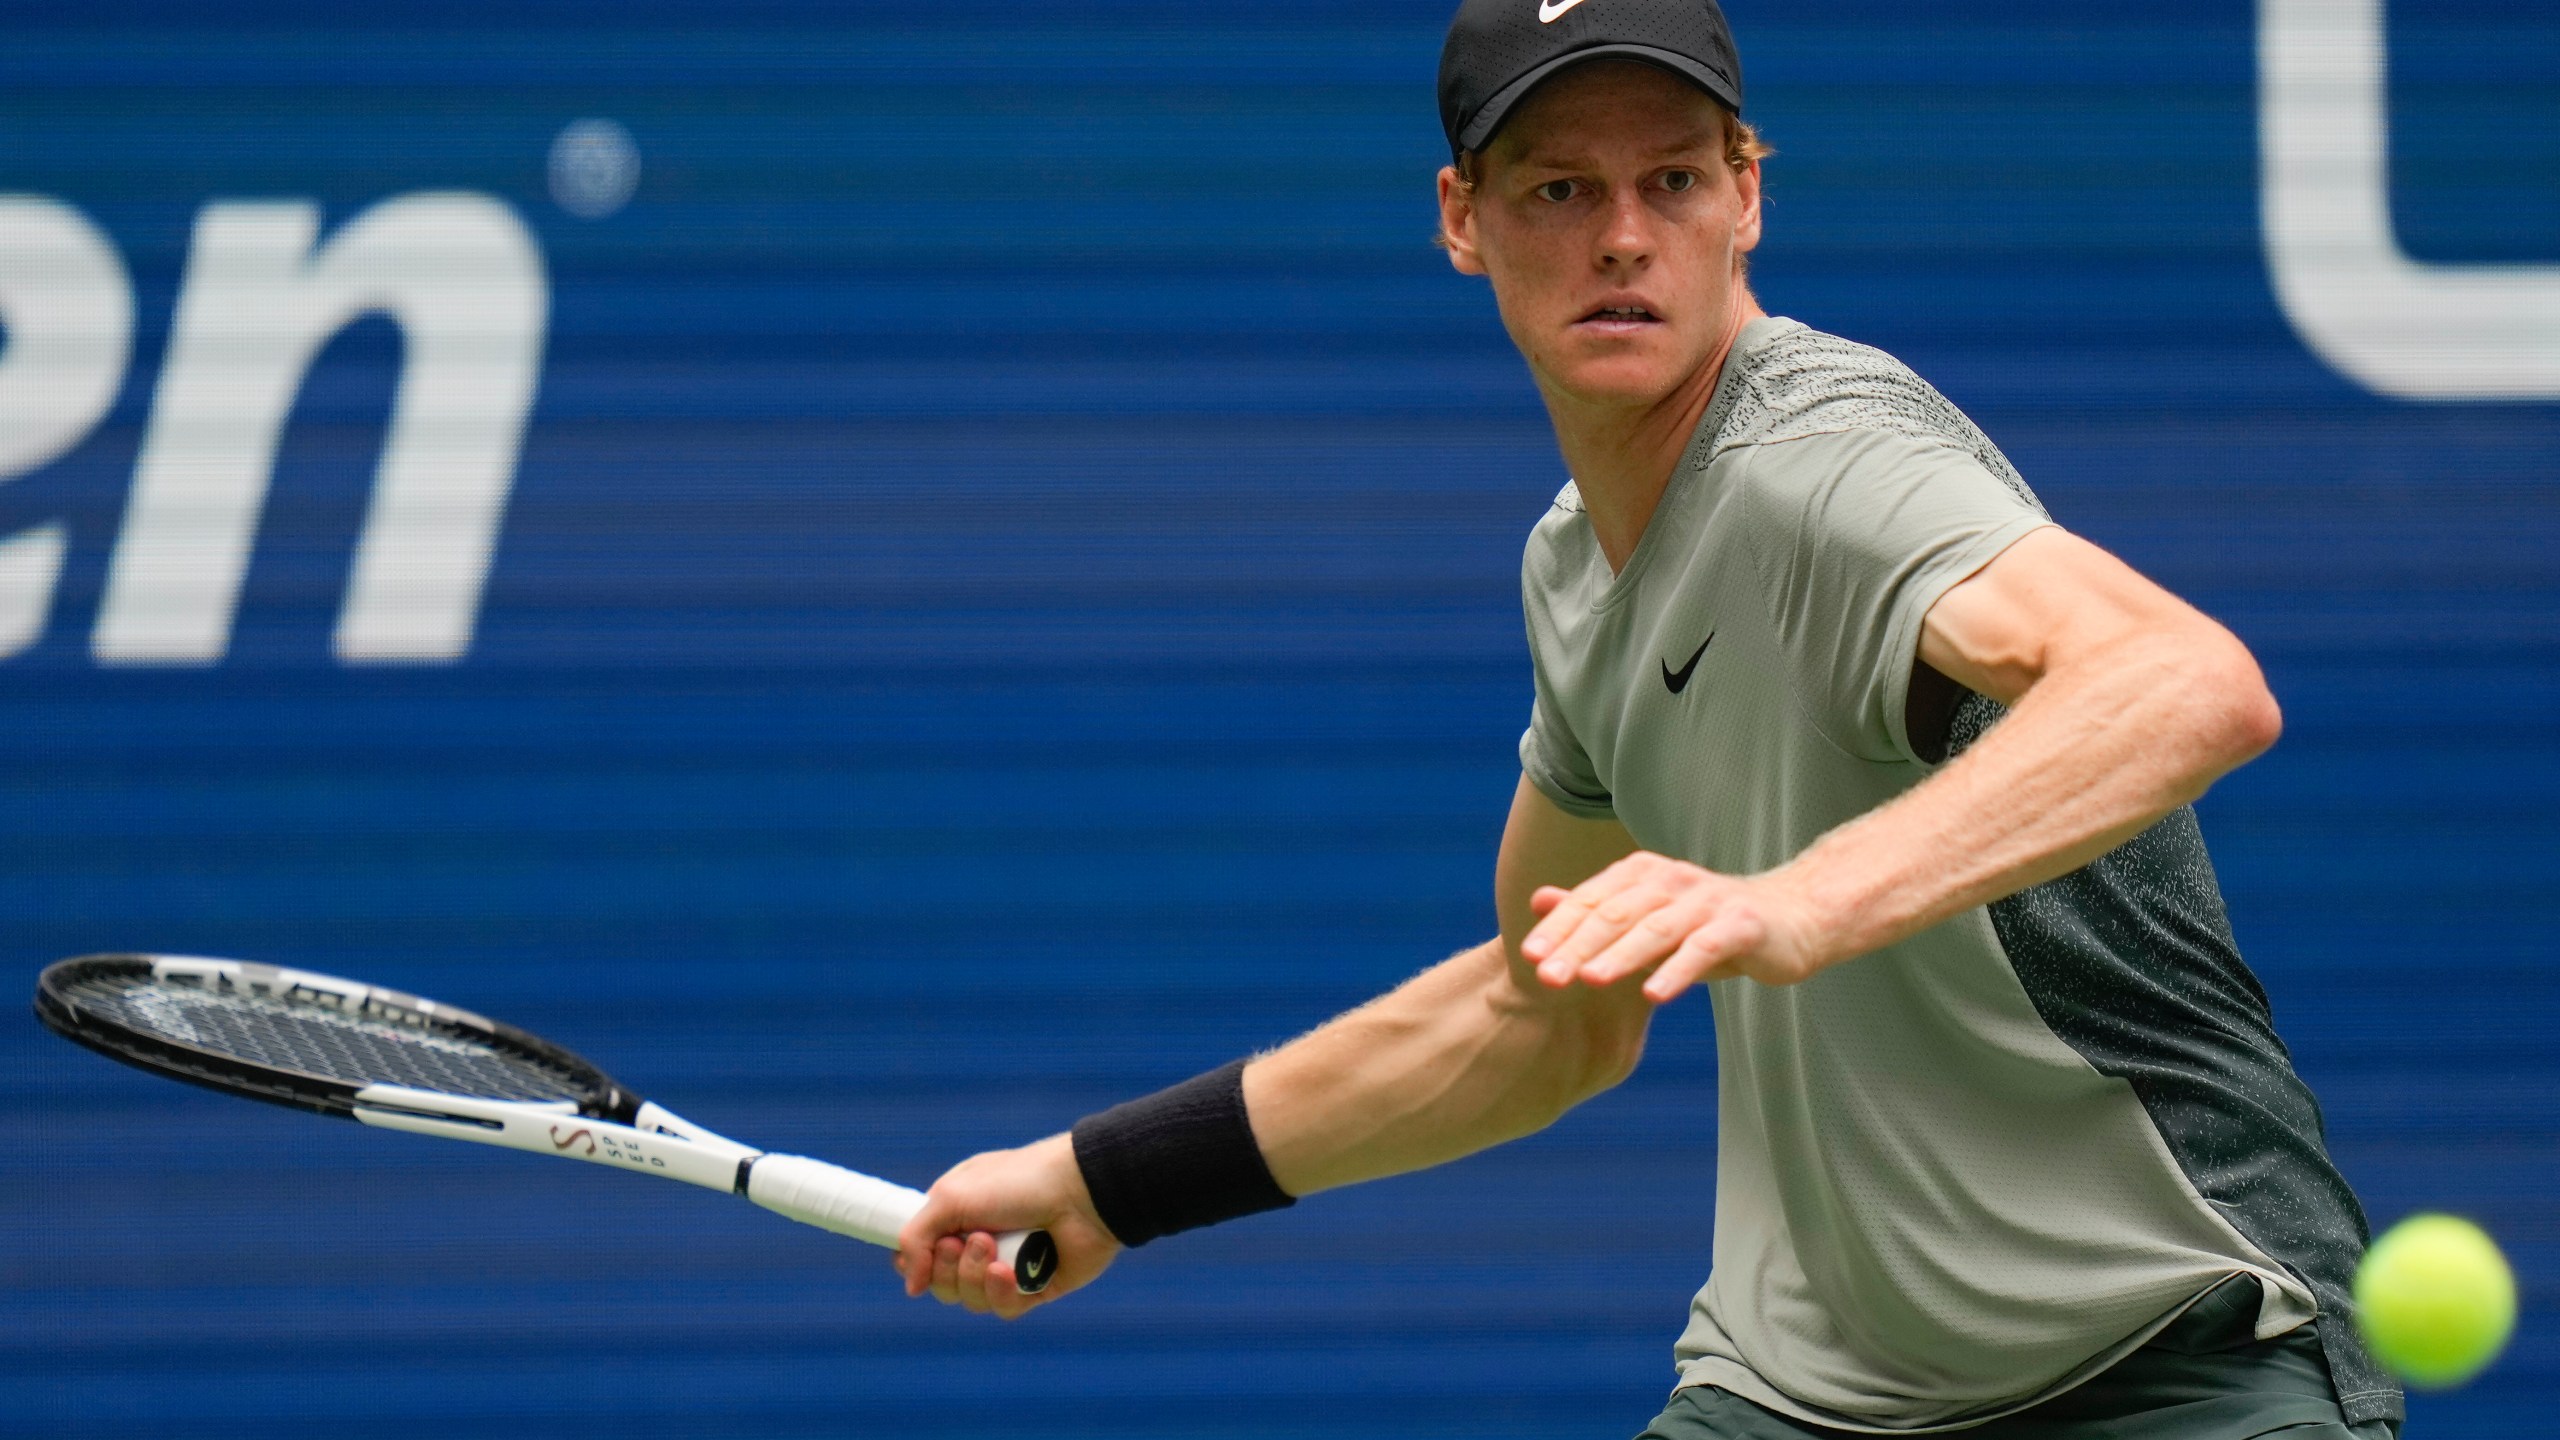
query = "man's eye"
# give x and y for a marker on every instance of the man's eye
(1676, 181)
(1556, 192)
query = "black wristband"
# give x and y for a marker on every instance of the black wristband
(1176, 1160)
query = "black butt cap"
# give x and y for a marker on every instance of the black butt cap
(1036, 1263)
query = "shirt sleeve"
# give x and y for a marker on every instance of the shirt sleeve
(1857, 534)
(1557, 764)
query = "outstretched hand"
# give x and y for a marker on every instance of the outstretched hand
(949, 1246)
(1680, 922)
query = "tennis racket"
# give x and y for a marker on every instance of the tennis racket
(343, 1048)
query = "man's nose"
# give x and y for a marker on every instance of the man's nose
(1626, 235)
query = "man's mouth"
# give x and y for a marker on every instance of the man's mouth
(1614, 316)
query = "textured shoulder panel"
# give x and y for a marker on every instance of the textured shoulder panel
(1804, 382)
(1560, 547)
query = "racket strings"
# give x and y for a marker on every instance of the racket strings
(281, 1034)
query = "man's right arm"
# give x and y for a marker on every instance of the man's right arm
(1468, 1054)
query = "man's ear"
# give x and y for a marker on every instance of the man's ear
(1746, 228)
(1458, 222)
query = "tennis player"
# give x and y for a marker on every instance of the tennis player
(1831, 716)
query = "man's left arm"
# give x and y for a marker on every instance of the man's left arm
(2125, 703)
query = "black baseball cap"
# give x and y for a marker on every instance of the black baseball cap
(1498, 51)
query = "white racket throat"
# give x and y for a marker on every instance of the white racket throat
(665, 1144)
(677, 1151)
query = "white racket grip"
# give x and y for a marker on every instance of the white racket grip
(831, 1197)
(848, 1202)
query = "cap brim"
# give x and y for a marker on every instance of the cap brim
(1489, 116)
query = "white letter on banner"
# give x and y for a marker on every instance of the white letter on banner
(2396, 325)
(463, 279)
(67, 306)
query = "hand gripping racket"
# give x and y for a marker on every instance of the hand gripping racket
(343, 1048)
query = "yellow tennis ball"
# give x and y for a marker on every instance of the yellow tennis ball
(2435, 1300)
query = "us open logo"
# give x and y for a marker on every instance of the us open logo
(2391, 323)
(458, 273)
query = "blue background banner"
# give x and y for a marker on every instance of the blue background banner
(1008, 598)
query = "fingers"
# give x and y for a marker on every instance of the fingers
(915, 1253)
(948, 1248)
(1624, 920)
(1667, 920)
(1588, 918)
(966, 1273)
(947, 1253)
(1655, 934)
(1712, 951)
(928, 1257)
(1005, 1299)
(970, 1273)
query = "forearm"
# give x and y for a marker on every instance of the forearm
(2090, 757)
(1466, 1055)
(1460, 1058)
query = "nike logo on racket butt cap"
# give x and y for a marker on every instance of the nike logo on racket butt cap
(1032, 1266)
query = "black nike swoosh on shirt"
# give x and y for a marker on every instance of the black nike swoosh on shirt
(1678, 680)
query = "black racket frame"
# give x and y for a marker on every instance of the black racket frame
(58, 1006)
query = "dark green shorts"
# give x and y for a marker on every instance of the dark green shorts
(2190, 1383)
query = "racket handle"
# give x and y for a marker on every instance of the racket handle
(848, 1202)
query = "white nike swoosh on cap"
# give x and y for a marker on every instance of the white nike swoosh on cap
(1548, 10)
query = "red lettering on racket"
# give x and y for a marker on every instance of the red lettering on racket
(558, 1142)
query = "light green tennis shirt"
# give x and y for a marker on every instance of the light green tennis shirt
(1969, 1170)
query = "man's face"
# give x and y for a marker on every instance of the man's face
(1612, 230)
